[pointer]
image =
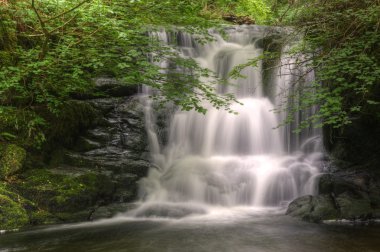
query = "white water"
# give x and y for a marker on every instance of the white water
(224, 160)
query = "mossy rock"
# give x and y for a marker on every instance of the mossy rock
(28, 205)
(12, 214)
(61, 193)
(12, 160)
(42, 217)
(313, 208)
(353, 207)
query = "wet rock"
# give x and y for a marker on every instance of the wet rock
(353, 207)
(84, 144)
(111, 210)
(313, 208)
(345, 195)
(115, 148)
(113, 87)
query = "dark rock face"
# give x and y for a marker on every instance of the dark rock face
(116, 148)
(96, 176)
(344, 195)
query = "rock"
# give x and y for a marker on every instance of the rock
(348, 195)
(116, 148)
(113, 87)
(42, 217)
(374, 193)
(313, 208)
(84, 144)
(12, 214)
(74, 119)
(111, 210)
(57, 193)
(12, 160)
(353, 207)
(300, 206)
(329, 183)
(93, 174)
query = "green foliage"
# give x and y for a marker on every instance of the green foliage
(342, 43)
(51, 50)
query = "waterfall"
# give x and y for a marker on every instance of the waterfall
(225, 160)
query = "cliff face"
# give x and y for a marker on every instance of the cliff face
(93, 175)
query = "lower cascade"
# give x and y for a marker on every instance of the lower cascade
(222, 160)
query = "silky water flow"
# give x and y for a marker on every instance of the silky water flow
(221, 161)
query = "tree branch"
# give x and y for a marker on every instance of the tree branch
(45, 45)
(68, 11)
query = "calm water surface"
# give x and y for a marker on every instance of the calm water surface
(238, 230)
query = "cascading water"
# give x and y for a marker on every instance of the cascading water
(226, 160)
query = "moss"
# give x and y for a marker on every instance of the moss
(353, 207)
(313, 208)
(62, 193)
(12, 214)
(12, 160)
(42, 217)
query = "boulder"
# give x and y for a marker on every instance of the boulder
(344, 195)
(353, 207)
(313, 208)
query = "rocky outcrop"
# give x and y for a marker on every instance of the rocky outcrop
(94, 175)
(117, 147)
(344, 195)
(114, 154)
